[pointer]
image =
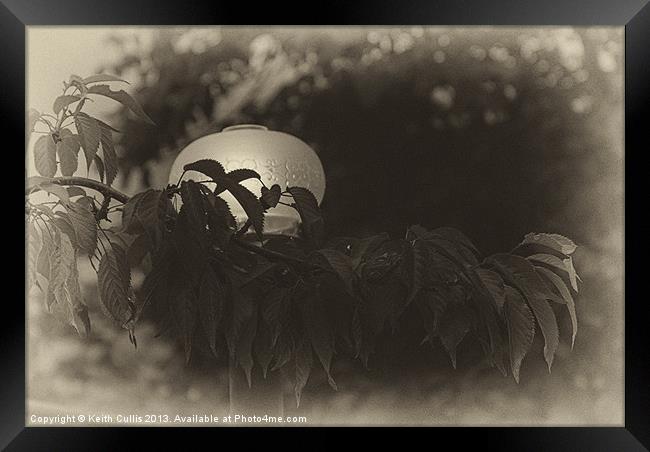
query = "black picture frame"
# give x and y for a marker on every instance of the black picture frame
(634, 15)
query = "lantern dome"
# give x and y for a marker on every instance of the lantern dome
(278, 157)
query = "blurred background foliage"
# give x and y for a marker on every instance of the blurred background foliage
(495, 131)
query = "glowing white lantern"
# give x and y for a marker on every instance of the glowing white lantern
(279, 158)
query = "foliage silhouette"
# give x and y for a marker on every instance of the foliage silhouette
(289, 303)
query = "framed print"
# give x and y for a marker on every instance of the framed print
(376, 216)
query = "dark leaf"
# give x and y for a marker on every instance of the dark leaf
(521, 328)
(562, 289)
(494, 284)
(519, 273)
(271, 196)
(454, 235)
(556, 241)
(415, 262)
(194, 208)
(138, 249)
(244, 351)
(453, 326)
(366, 246)
(263, 347)
(306, 204)
(319, 329)
(242, 174)
(248, 201)
(304, 361)
(274, 312)
(210, 303)
(210, 168)
(341, 264)
(241, 310)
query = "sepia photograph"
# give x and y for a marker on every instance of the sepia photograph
(324, 226)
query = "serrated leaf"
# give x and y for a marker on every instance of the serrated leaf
(283, 351)
(262, 347)
(239, 175)
(555, 241)
(271, 196)
(573, 276)
(100, 167)
(248, 201)
(122, 97)
(313, 226)
(210, 168)
(319, 330)
(194, 208)
(453, 326)
(63, 222)
(71, 305)
(244, 350)
(110, 157)
(181, 299)
(454, 235)
(303, 364)
(494, 283)
(146, 212)
(364, 247)
(274, 312)
(45, 156)
(241, 310)
(521, 328)
(68, 149)
(341, 264)
(561, 287)
(89, 132)
(521, 274)
(114, 285)
(210, 304)
(62, 259)
(85, 227)
(63, 101)
(102, 78)
(43, 261)
(416, 258)
(33, 249)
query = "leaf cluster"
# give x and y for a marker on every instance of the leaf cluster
(275, 303)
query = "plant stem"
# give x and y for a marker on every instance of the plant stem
(83, 182)
(270, 254)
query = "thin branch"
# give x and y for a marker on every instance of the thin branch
(270, 254)
(82, 182)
